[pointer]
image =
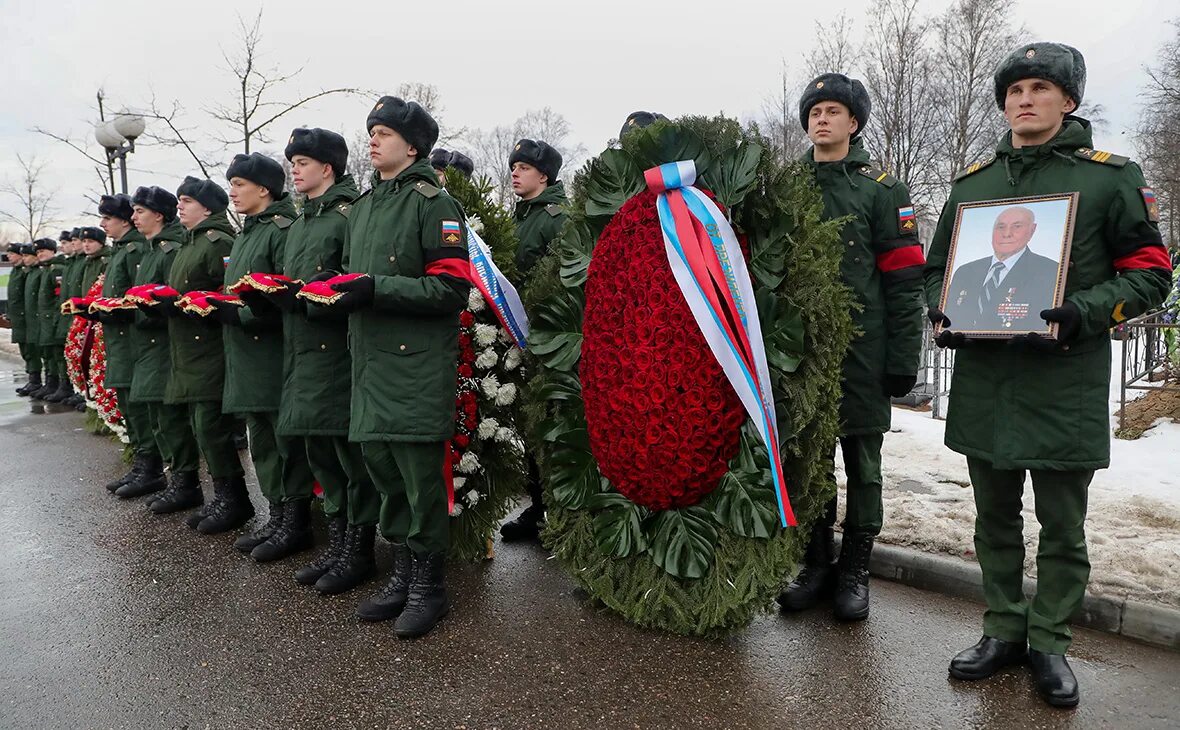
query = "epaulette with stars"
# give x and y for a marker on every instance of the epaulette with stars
(975, 167)
(878, 175)
(1106, 158)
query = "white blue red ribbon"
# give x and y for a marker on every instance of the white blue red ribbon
(497, 291)
(707, 262)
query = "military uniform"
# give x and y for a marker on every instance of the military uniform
(538, 222)
(47, 298)
(17, 279)
(34, 357)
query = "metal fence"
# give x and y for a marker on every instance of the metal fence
(1145, 363)
(934, 376)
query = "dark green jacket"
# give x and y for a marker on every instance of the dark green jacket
(254, 350)
(538, 221)
(16, 302)
(405, 347)
(149, 336)
(91, 268)
(33, 276)
(73, 268)
(1026, 409)
(48, 296)
(316, 364)
(124, 263)
(882, 264)
(197, 345)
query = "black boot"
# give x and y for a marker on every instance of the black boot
(817, 580)
(81, 406)
(77, 401)
(388, 602)
(205, 510)
(50, 387)
(136, 466)
(64, 391)
(313, 571)
(183, 492)
(852, 582)
(251, 540)
(427, 603)
(526, 527)
(149, 479)
(235, 511)
(33, 383)
(356, 564)
(293, 536)
(987, 657)
(1055, 680)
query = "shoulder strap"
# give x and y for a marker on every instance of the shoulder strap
(1106, 158)
(878, 175)
(281, 221)
(553, 209)
(215, 235)
(975, 167)
(426, 189)
(344, 209)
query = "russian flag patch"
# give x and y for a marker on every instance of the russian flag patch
(905, 218)
(1152, 205)
(452, 233)
(225, 261)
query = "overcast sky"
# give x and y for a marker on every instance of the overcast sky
(594, 62)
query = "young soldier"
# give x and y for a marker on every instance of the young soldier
(16, 310)
(539, 218)
(31, 350)
(882, 263)
(129, 248)
(1035, 404)
(407, 235)
(639, 120)
(314, 413)
(254, 356)
(48, 314)
(70, 260)
(441, 159)
(197, 378)
(153, 213)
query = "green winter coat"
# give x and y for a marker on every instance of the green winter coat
(33, 276)
(16, 302)
(124, 263)
(882, 264)
(538, 221)
(405, 346)
(49, 317)
(149, 336)
(316, 364)
(91, 268)
(197, 345)
(73, 267)
(1020, 408)
(254, 350)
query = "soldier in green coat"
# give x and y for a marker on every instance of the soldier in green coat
(16, 312)
(408, 239)
(130, 246)
(28, 331)
(46, 310)
(1038, 405)
(882, 264)
(154, 218)
(70, 259)
(254, 357)
(94, 259)
(314, 412)
(539, 218)
(197, 378)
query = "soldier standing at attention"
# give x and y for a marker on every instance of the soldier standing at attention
(882, 264)
(17, 281)
(1035, 405)
(47, 305)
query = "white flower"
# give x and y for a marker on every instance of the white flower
(505, 435)
(490, 386)
(487, 428)
(469, 464)
(473, 498)
(456, 510)
(475, 301)
(459, 482)
(503, 335)
(487, 359)
(475, 224)
(506, 394)
(512, 358)
(485, 334)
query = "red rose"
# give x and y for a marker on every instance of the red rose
(466, 318)
(465, 371)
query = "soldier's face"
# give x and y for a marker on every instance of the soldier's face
(310, 175)
(189, 212)
(44, 254)
(90, 246)
(73, 245)
(527, 181)
(441, 175)
(1011, 232)
(830, 123)
(28, 259)
(389, 151)
(248, 197)
(1036, 106)
(14, 258)
(146, 221)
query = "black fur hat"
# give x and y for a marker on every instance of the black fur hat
(639, 120)
(47, 244)
(1056, 62)
(538, 154)
(204, 191)
(116, 206)
(93, 233)
(837, 87)
(260, 169)
(408, 119)
(319, 144)
(157, 199)
(441, 159)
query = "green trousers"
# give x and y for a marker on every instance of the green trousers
(137, 416)
(409, 478)
(862, 464)
(278, 460)
(215, 437)
(174, 436)
(1063, 567)
(339, 466)
(53, 359)
(31, 354)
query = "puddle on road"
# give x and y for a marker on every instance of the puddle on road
(13, 407)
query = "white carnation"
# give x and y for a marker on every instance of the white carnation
(475, 224)
(506, 394)
(475, 301)
(487, 428)
(473, 498)
(456, 509)
(512, 358)
(459, 482)
(469, 464)
(485, 334)
(490, 386)
(505, 435)
(503, 335)
(487, 359)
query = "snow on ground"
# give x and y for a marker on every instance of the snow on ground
(1133, 523)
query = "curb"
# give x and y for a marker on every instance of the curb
(1150, 623)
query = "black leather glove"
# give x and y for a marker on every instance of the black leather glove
(324, 276)
(898, 385)
(952, 340)
(150, 310)
(116, 316)
(937, 318)
(226, 313)
(167, 306)
(358, 293)
(285, 298)
(1069, 321)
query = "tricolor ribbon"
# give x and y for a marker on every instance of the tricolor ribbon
(497, 291)
(709, 267)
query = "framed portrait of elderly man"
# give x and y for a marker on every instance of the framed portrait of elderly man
(1007, 263)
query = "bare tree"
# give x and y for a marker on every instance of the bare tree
(1158, 135)
(430, 98)
(491, 149)
(254, 109)
(359, 164)
(779, 120)
(176, 133)
(34, 201)
(835, 50)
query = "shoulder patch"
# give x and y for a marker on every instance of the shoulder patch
(878, 175)
(451, 233)
(1106, 158)
(344, 209)
(281, 221)
(427, 189)
(553, 209)
(132, 247)
(975, 167)
(1152, 205)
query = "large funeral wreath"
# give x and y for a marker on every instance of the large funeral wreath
(659, 488)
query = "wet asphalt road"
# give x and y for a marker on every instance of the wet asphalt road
(112, 617)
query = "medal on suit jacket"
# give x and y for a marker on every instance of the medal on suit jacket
(1010, 311)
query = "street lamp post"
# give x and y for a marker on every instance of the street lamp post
(125, 127)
